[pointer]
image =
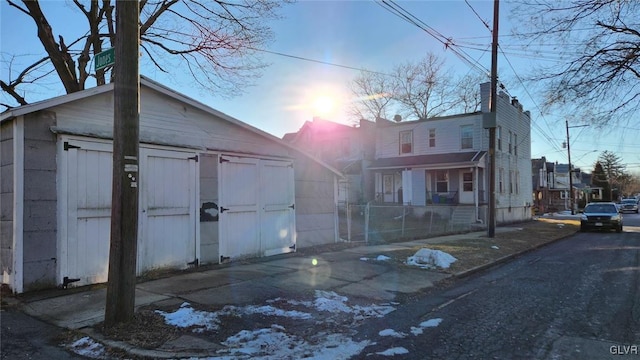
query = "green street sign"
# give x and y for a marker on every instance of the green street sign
(105, 58)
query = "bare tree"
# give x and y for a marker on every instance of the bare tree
(415, 90)
(598, 44)
(374, 94)
(215, 42)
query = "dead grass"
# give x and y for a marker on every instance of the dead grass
(472, 252)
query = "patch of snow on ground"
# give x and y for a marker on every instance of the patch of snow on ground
(378, 258)
(393, 351)
(430, 259)
(88, 347)
(392, 333)
(425, 324)
(331, 302)
(272, 311)
(431, 323)
(276, 343)
(186, 316)
(495, 247)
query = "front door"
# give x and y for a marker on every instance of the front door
(467, 186)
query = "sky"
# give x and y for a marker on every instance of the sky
(360, 35)
(327, 310)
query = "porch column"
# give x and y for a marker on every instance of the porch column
(407, 188)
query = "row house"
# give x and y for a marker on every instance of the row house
(551, 186)
(441, 161)
(445, 160)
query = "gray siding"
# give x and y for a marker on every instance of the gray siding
(315, 203)
(6, 197)
(40, 201)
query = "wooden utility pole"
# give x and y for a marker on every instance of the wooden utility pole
(491, 222)
(124, 199)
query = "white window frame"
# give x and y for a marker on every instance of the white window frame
(401, 135)
(432, 137)
(466, 129)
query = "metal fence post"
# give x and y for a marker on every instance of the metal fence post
(348, 222)
(366, 224)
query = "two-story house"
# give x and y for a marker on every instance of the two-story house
(346, 148)
(445, 160)
(559, 186)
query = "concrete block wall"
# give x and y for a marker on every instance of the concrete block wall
(40, 201)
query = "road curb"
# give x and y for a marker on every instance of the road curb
(468, 272)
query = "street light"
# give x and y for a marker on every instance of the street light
(570, 171)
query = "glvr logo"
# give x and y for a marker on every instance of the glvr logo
(624, 350)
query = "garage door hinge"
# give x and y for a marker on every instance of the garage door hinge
(224, 258)
(193, 158)
(223, 160)
(68, 146)
(292, 206)
(194, 263)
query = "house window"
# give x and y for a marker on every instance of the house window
(510, 141)
(515, 144)
(406, 142)
(467, 181)
(432, 137)
(499, 137)
(466, 136)
(510, 182)
(517, 182)
(442, 181)
(501, 180)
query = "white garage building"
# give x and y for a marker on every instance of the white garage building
(212, 189)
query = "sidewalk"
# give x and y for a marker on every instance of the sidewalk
(352, 272)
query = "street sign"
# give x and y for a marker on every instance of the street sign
(105, 58)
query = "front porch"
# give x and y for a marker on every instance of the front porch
(431, 179)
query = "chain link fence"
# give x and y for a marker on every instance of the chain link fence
(374, 223)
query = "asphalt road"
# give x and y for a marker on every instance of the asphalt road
(578, 298)
(24, 337)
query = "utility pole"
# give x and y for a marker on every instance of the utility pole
(570, 169)
(124, 199)
(491, 223)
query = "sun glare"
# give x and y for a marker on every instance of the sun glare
(323, 105)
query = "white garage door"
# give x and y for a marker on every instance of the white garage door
(257, 216)
(167, 208)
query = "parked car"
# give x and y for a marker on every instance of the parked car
(601, 216)
(629, 205)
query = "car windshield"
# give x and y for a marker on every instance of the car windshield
(628, 201)
(600, 208)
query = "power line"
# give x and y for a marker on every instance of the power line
(394, 8)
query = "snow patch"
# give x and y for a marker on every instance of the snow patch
(392, 333)
(393, 351)
(430, 259)
(186, 316)
(87, 347)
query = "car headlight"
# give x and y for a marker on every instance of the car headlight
(615, 218)
(583, 217)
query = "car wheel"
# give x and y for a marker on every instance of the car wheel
(583, 229)
(619, 229)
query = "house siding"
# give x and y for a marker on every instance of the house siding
(6, 199)
(165, 121)
(316, 211)
(516, 206)
(447, 136)
(40, 201)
